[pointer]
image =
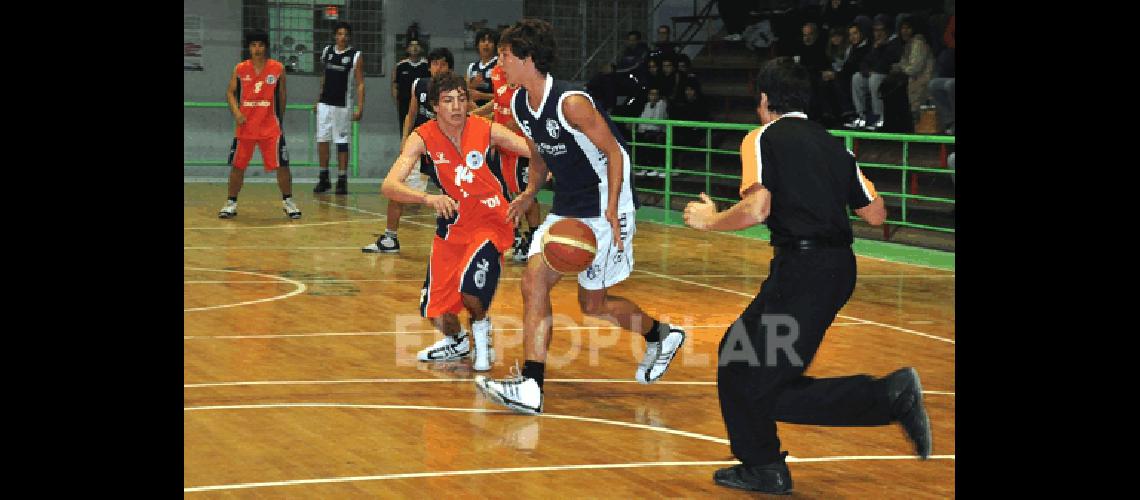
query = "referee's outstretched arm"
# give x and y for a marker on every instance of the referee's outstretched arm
(753, 209)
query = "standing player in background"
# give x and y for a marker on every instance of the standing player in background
(473, 230)
(342, 65)
(512, 168)
(591, 166)
(406, 72)
(257, 113)
(798, 179)
(419, 111)
(478, 73)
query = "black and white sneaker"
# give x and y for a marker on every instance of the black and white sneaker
(519, 393)
(291, 209)
(658, 355)
(522, 246)
(446, 349)
(228, 211)
(384, 244)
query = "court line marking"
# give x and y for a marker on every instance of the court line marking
(300, 288)
(458, 380)
(361, 210)
(357, 248)
(347, 280)
(279, 225)
(549, 468)
(397, 332)
(665, 430)
(853, 318)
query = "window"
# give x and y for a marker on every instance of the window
(298, 31)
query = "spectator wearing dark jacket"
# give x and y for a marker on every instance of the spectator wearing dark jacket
(874, 68)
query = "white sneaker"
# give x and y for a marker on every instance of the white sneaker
(518, 393)
(229, 210)
(484, 346)
(290, 209)
(384, 244)
(521, 249)
(447, 349)
(658, 355)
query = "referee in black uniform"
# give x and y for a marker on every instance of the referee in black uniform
(798, 179)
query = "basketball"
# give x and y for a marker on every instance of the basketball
(569, 246)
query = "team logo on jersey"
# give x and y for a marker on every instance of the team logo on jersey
(481, 274)
(246, 78)
(526, 128)
(552, 128)
(592, 271)
(271, 79)
(474, 160)
(441, 160)
(423, 96)
(344, 60)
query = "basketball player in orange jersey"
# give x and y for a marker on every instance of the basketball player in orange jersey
(512, 168)
(262, 82)
(590, 162)
(473, 230)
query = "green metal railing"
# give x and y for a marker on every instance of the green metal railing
(908, 173)
(354, 155)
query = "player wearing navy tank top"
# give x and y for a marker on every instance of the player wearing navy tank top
(581, 147)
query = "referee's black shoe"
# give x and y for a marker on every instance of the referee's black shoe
(905, 393)
(773, 478)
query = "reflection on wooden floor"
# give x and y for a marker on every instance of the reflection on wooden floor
(301, 379)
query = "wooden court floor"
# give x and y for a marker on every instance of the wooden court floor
(300, 377)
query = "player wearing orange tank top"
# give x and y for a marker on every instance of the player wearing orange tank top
(473, 231)
(255, 110)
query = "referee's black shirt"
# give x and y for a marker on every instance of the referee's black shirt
(812, 178)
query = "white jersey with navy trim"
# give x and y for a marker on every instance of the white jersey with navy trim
(580, 168)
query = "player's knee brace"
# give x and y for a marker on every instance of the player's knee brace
(342, 147)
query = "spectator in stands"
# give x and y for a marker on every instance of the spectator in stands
(833, 96)
(916, 61)
(874, 68)
(664, 48)
(810, 53)
(684, 67)
(631, 62)
(602, 88)
(691, 107)
(837, 15)
(655, 108)
(671, 84)
(857, 49)
(941, 87)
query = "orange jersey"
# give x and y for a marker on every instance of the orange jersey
(504, 92)
(258, 99)
(464, 176)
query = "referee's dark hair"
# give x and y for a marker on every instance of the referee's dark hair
(534, 38)
(787, 84)
(487, 33)
(257, 36)
(444, 82)
(442, 53)
(342, 24)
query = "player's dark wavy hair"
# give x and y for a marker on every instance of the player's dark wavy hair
(257, 36)
(444, 82)
(487, 33)
(533, 38)
(342, 24)
(442, 53)
(786, 83)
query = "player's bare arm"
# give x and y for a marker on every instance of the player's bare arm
(281, 91)
(504, 138)
(410, 118)
(235, 107)
(582, 115)
(395, 100)
(395, 189)
(485, 110)
(474, 94)
(359, 89)
(753, 209)
(536, 172)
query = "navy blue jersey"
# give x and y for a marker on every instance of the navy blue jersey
(478, 68)
(406, 73)
(420, 91)
(340, 68)
(581, 183)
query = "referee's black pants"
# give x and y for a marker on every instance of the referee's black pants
(809, 286)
